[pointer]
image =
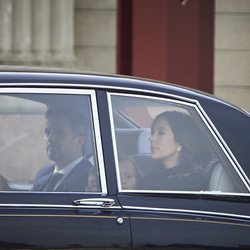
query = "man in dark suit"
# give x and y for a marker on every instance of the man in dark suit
(65, 134)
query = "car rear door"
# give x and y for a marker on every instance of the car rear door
(214, 216)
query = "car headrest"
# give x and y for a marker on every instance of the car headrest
(133, 141)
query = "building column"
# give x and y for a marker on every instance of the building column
(170, 40)
(22, 29)
(62, 29)
(37, 32)
(5, 27)
(41, 29)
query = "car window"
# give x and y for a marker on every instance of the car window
(165, 145)
(47, 143)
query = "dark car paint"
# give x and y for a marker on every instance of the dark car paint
(54, 221)
(64, 228)
(182, 221)
(162, 221)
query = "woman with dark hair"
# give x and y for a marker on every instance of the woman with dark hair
(179, 153)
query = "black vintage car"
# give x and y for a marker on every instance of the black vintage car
(147, 182)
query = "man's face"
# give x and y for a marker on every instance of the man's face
(61, 145)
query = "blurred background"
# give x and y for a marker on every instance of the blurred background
(204, 44)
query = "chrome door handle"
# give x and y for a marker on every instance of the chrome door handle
(100, 202)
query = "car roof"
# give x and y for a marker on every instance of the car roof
(39, 75)
(34, 76)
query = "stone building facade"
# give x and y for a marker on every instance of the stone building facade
(58, 33)
(81, 34)
(232, 51)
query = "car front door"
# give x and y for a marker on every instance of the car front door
(71, 215)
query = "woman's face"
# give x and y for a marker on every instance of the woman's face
(163, 144)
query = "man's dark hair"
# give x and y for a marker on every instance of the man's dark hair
(76, 120)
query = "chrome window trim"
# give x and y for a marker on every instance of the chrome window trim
(97, 86)
(187, 211)
(117, 169)
(98, 142)
(210, 126)
(94, 118)
(194, 193)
